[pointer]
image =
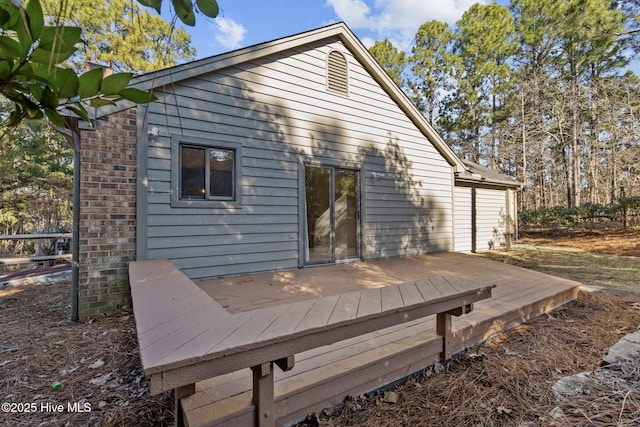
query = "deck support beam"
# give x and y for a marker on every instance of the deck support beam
(445, 330)
(263, 394)
(178, 394)
(263, 390)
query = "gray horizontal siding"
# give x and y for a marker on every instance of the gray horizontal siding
(233, 237)
(277, 108)
(462, 221)
(236, 263)
(214, 219)
(234, 248)
(238, 231)
(490, 218)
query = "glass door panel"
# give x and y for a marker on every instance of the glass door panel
(346, 214)
(332, 214)
(319, 227)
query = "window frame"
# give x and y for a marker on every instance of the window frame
(177, 142)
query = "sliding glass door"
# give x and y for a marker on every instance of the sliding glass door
(332, 214)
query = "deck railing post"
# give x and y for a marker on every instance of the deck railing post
(263, 394)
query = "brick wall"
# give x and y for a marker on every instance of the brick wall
(107, 213)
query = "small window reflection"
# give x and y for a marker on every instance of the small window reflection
(200, 180)
(192, 173)
(221, 176)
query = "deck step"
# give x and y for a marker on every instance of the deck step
(320, 377)
(324, 376)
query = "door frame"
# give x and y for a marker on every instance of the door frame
(302, 208)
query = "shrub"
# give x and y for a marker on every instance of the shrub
(589, 213)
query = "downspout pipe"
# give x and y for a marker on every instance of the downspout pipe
(71, 132)
(75, 239)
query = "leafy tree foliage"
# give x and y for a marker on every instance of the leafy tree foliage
(483, 42)
(121, 35)
(35, 183)
(31, 72)
(391, 59)
(32, 53)
(186, 10)
(432, 64)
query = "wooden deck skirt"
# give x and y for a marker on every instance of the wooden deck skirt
(186, 337)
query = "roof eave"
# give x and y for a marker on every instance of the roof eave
(461, 178)
(175, 74)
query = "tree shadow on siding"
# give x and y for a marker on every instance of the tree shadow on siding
(261, 233)
(400, 213)
(402, 216)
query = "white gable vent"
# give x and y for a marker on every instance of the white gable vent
(337, 79)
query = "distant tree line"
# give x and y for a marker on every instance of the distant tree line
(626, 212)
(539, 90)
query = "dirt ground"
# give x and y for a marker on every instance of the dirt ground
(54, 372)
(612, 241)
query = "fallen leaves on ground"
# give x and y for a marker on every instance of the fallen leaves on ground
(612, 241)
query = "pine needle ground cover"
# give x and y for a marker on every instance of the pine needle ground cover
(46, 359)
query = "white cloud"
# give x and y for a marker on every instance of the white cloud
(229, 33)
(398, 20)
(355, 13)
(368, 41)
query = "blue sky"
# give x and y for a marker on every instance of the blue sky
(243, 23)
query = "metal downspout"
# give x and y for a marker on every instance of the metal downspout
(75, 239)
(71, 132)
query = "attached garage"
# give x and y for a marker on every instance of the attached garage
(485, 209)
(462, 219)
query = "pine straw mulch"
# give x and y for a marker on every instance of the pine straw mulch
(94, 362)
(609, 239)
(505, 382)
(508, 380)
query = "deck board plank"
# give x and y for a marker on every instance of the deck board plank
(346, 308)
(319, 313)
(211, 334)
(198, 313)
(391, 298)
(410, 293)
(169, 289)
(370, 302)
(288, 321)
(426, 289)
(445, 288)
(274, 318)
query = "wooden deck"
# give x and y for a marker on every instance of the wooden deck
(325, 375)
